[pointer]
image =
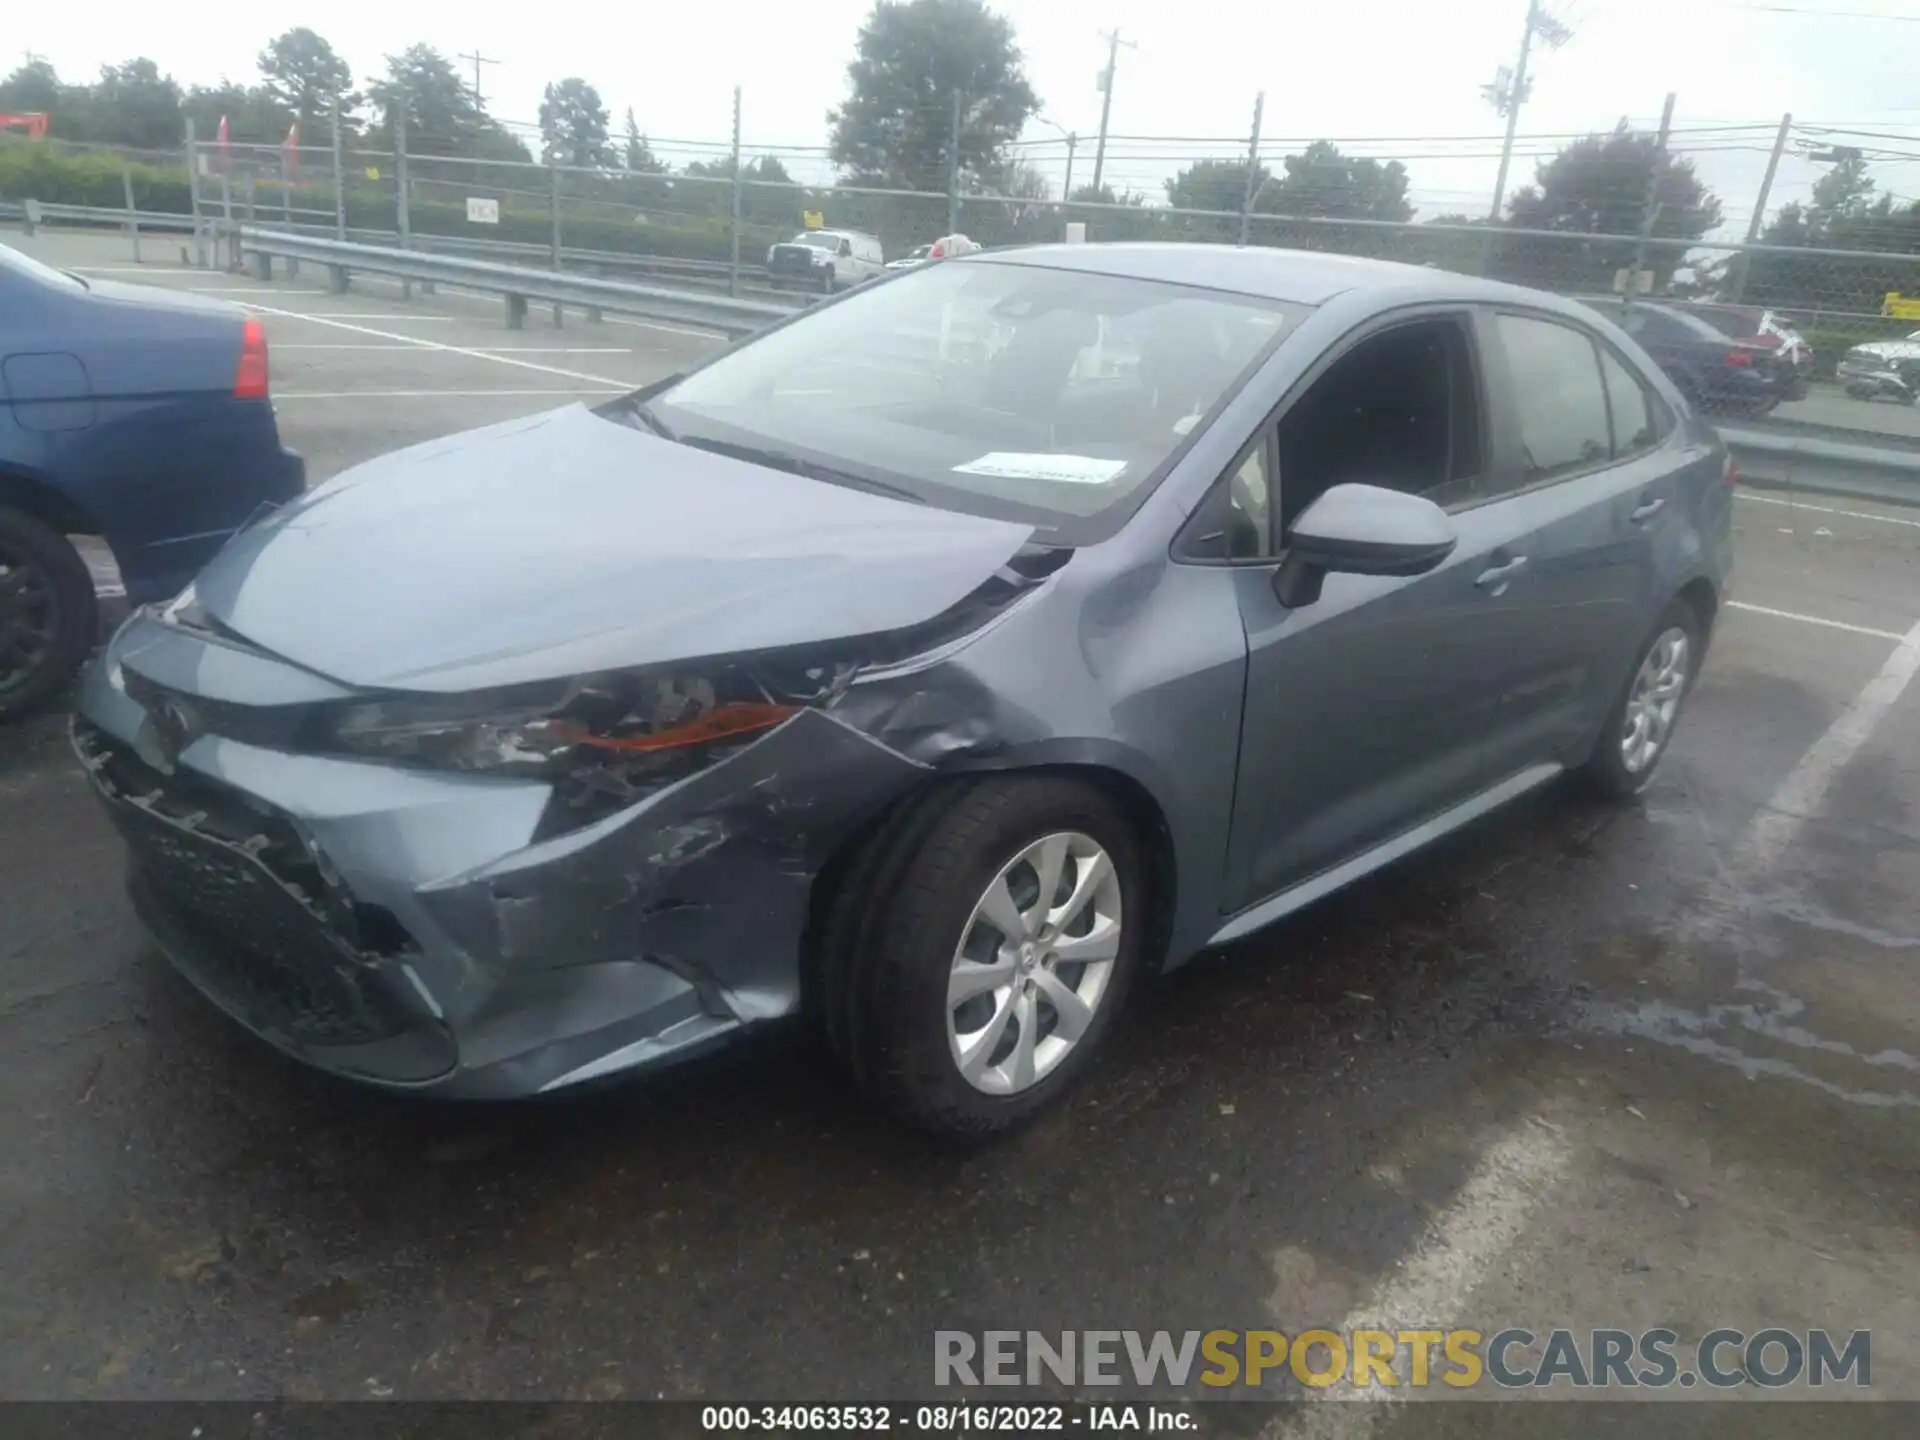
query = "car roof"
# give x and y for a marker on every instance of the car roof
(1299, 277)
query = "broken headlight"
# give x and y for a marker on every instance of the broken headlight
(604, 743)
(544, 730)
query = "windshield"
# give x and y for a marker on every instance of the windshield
(11, 259)
(1048, 396)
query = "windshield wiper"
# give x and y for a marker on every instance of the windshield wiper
(643, 412)
(795, 465)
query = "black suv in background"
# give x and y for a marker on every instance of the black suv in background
(1709, 355)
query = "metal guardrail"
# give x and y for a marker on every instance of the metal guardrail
(1834, 467)
(696, 275)
(518, 285)
(36, 212)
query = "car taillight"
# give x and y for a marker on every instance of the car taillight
(250, 377)
(1739, 357)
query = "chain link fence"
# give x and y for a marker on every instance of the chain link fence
(1602, 215)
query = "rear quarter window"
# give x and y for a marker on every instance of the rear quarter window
(1558, 396)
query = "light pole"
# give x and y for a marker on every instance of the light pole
(1073, 141)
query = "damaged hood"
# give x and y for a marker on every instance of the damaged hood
(566, 544)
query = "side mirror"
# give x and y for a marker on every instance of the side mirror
(1361, 530)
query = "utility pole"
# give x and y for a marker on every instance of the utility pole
(1114, 42)
(1253, 169)
(478, 60)
(1651, 213)
(733, 229)
(1509, 92)
(1759, 216)
(1066, 190)
(339, 179)
(953, 170)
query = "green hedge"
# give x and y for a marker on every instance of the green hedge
(30, 171)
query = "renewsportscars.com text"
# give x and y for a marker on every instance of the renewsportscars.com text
(1456, 1359)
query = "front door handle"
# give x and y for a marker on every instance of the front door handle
(1646, 511)
(1496, 579)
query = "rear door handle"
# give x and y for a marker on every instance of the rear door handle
(1498, 577)
(1646, 511)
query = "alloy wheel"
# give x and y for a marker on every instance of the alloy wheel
(1654, 699)
(1035, 959)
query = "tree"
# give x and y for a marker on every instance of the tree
(1600, 185)
(639, 158)
(32, 87)
(1841, 214)
(573, 124)
(1845, 192)
(306, 78)
(1022, 180)
(1215, 185)
(134, 105)
(915, 61)
(1320, 181)
(766, 169)
(443, 117)
(253, 114)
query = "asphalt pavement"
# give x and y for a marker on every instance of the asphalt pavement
(1580, 1066)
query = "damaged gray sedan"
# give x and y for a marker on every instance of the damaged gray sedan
(934, 665)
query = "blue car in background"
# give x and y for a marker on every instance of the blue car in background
(136, 414)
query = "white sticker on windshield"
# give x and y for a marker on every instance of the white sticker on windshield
(1067, 469)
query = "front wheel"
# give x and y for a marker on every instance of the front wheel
(981, 946)
(1640, 723)
(47, 617)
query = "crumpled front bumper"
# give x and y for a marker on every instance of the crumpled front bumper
(405, 927)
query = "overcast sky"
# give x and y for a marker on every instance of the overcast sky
(1391, 70)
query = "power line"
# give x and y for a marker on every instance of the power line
(1823, 14)
(478, 60)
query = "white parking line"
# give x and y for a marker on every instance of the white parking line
(668, 329)
(325, 315)
(419, 343)
(1800, 794)
(490, 349)
(1826, 510)
(561, 393)
(1815, 620)
(1431, 1287)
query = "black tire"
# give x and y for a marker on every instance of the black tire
(47, 618)
(1607, 772)
(899, 914)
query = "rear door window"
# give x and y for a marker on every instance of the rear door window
(1558, 396)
